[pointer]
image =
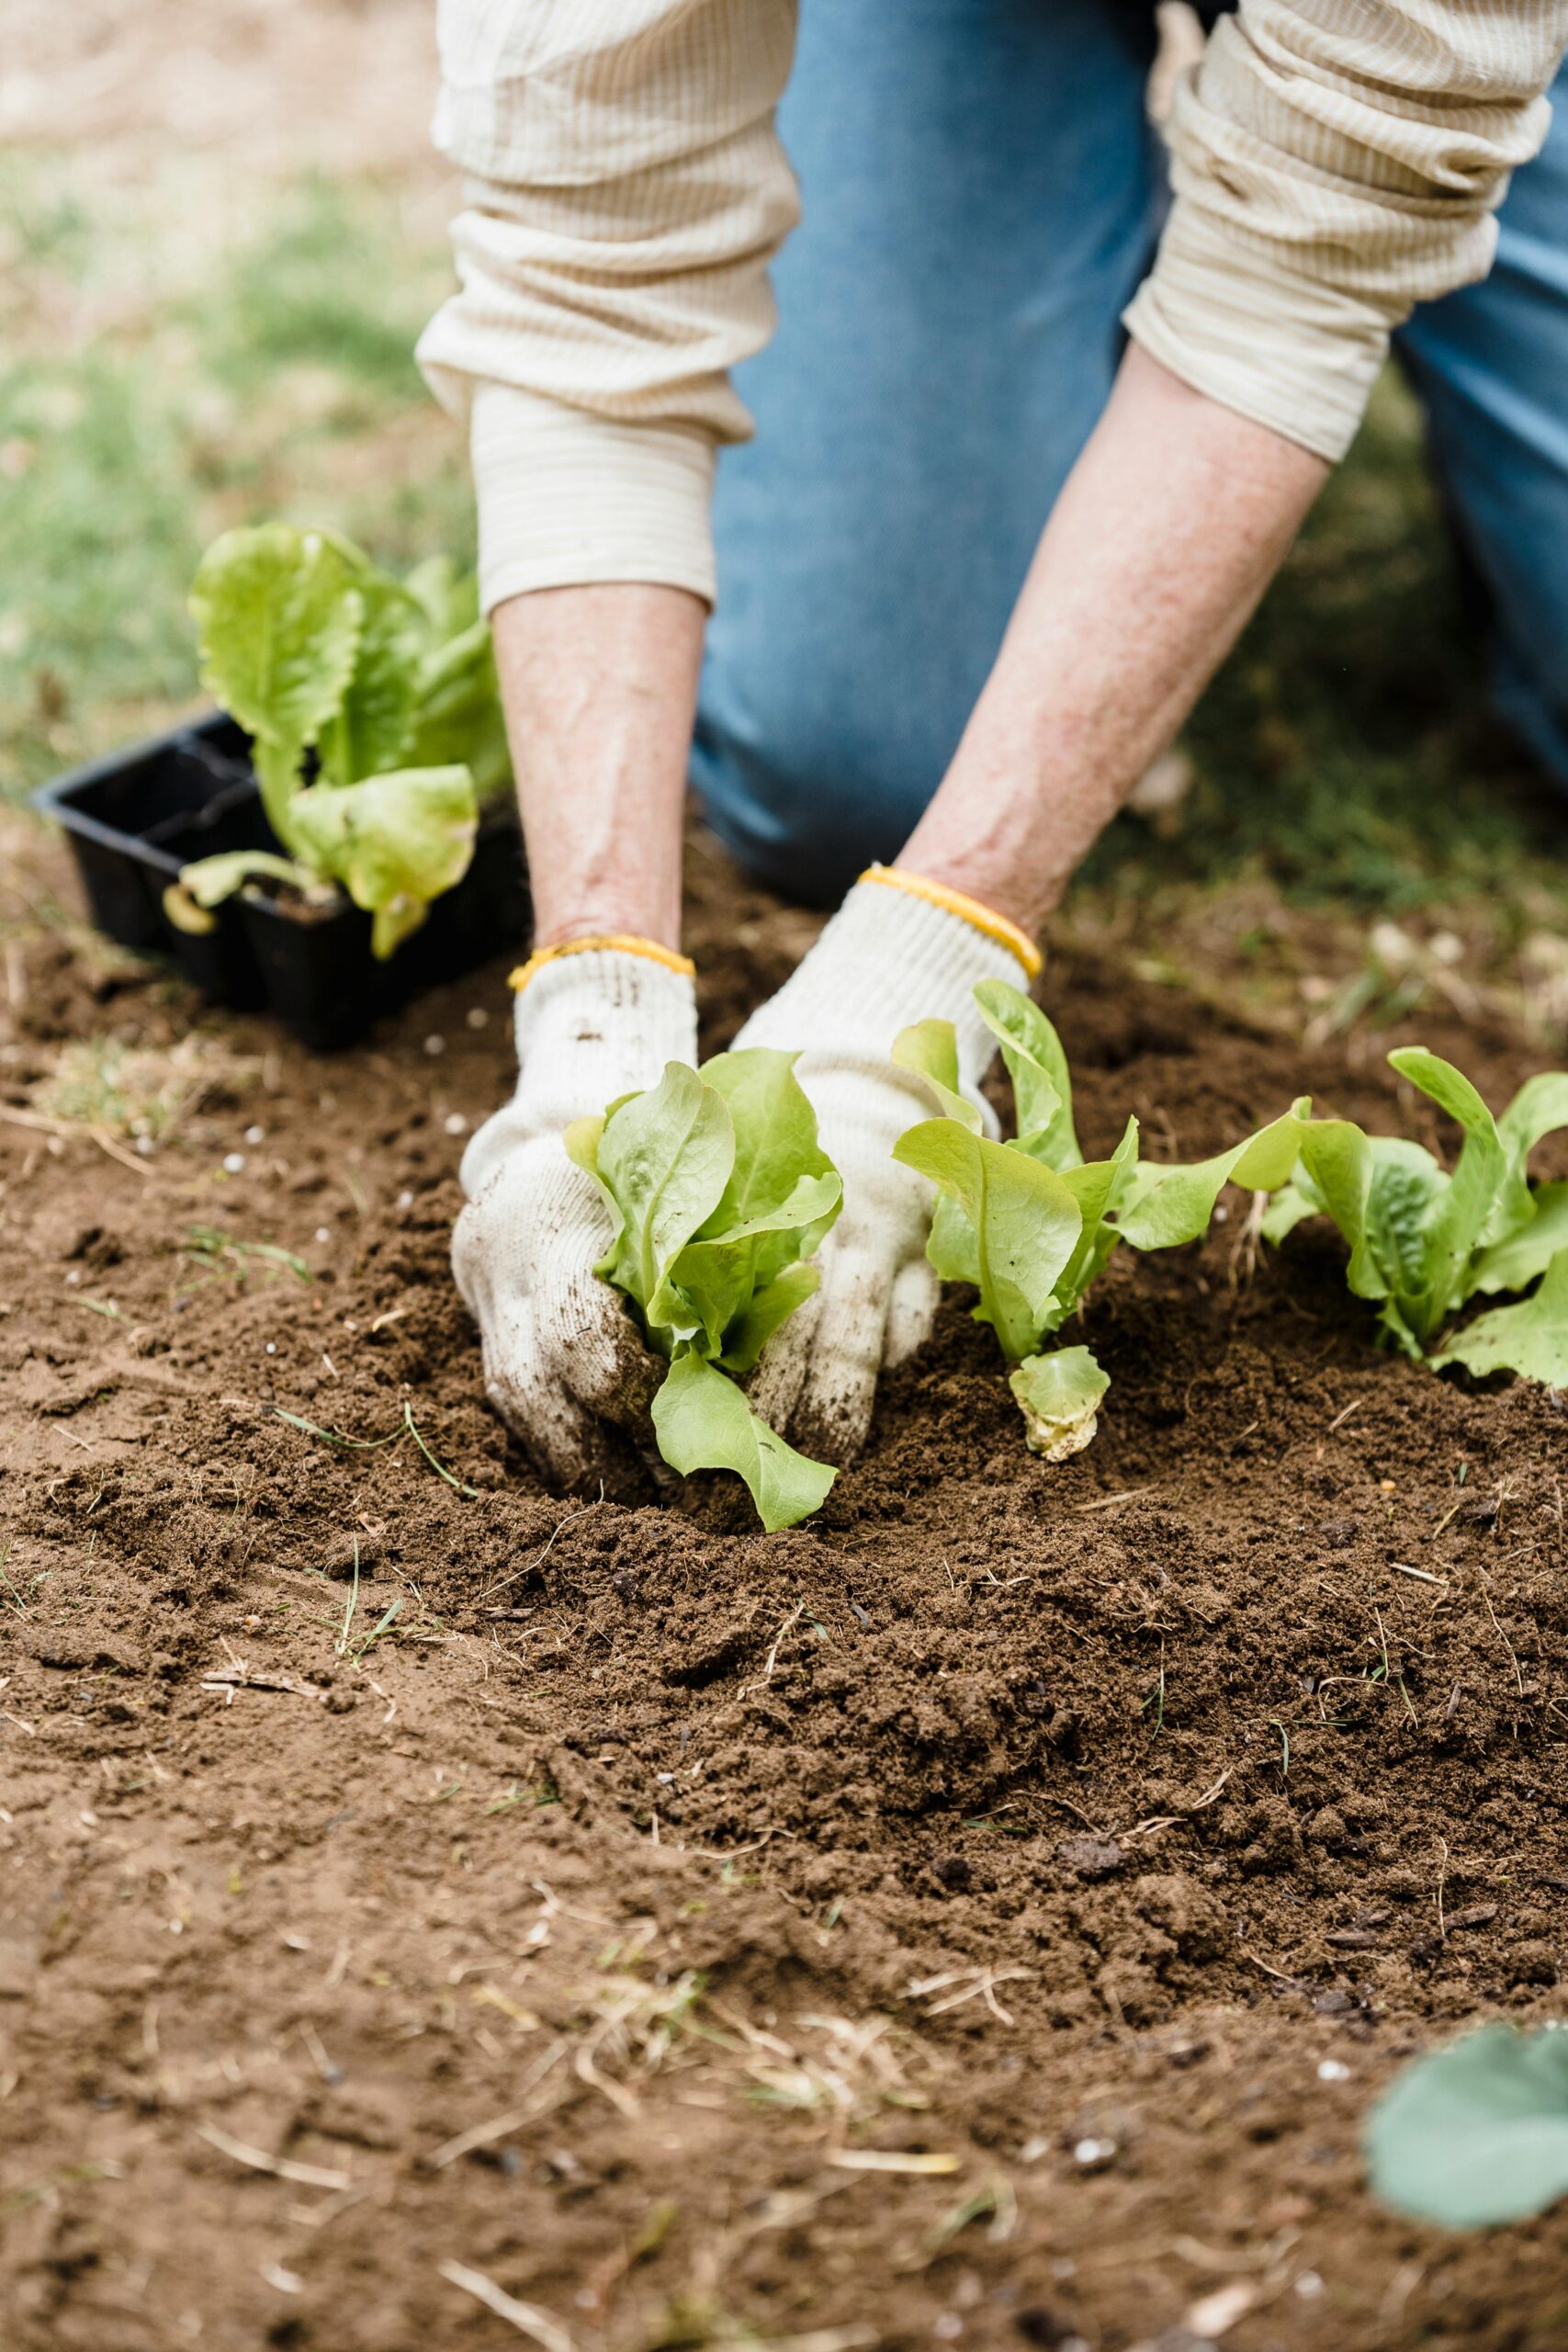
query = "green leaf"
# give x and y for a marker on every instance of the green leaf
(1171, 1205)
(1289, 1205)
(1514, 1264)
(1059, 1396)
(1024, 1219)
(665, 1157)
(1477, 2133)
(1530, 1339)
(1538, 1109)
(1097, 1186)
(770, 1308)
(718, 1276)
(371, 731)
(775, 1137)
(1336, 1162)
(449, 597)
(1470, 1201)
(210, 880)
(930, 1048)
(1042, 1086)
(278, 615)
(781, 1199)
(457, 709)
(394, 842)
(703, 1423)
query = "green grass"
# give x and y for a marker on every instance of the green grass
(280, 383)
(323, 286)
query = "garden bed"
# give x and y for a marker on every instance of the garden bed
(578, 1900)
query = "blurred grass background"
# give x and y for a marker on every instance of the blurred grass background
(166, 374)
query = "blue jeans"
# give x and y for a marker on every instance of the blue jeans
(982, 196)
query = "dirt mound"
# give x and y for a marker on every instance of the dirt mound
(982, 1915)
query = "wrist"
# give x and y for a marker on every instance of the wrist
(900, 949)
(593, 1022)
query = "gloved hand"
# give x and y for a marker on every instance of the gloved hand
(899, 950)
(565, 1366)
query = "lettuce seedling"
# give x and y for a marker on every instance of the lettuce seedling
(1424, 1241)
(390, 684)
(1032, 1224)
(1476, 2133)
(719, 1192)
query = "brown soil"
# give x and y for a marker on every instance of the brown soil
(1085, 1845)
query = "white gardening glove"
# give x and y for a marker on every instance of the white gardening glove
(565, 1366)
(890, 956)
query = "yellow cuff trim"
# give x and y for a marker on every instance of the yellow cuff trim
(620, 943)
(970, 910)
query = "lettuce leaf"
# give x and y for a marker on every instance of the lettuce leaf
(1032, 1225)
(312, 648)
(719, 1192)
(1022, 1219)
(1530, 1338)
(1477, 2133)
(703, 1423)
(280, 616)
(1424, 1241)
(1060, 1395)
(394, 842)
(371, 731)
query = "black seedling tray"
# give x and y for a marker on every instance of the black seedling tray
(135, 818)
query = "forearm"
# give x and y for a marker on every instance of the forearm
(600, 686)
(1172, 524)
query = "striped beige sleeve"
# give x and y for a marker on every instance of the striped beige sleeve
(1335, 161)
(625, 191)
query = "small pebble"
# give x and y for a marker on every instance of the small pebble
(1308, 2285)
(455, 1124)
(433, 1045)
(405, 1200)
(233, 1163)
(947, 2324)
(478, 1017)
(1333, 2070)
(73, 1278)
(272, 1347)
(1220, 1215)
(144, 1145)
(256, 1134)
(1092, 2155)
(323, 1233)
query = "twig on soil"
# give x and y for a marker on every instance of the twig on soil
(240, 1678)
(74, 1128)
(1341, 1419)
(1507, 1644)
(891, 2160)
(502, 1582)
(481, 2135)
(981, 1984)
(1106, 1502)
(1298, 1984)
(352, 1601)
(1422, 1576)
(282, 2167)
(526, 2318)
(767, 1673)
(1442, 1881)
